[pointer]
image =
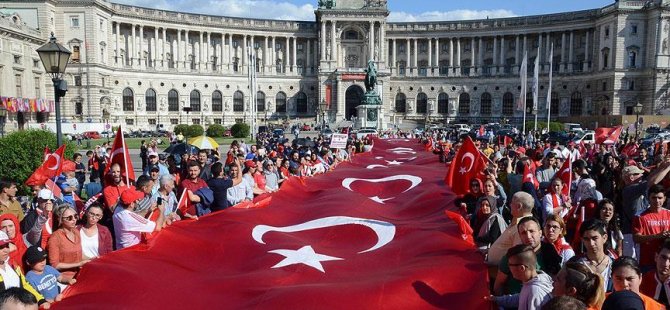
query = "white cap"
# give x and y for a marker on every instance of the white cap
(4, 239)
(152, 153)
(45, 194)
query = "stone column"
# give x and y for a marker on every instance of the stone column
(430, 57)
(587, 52)
(480, 56)
(142, 61)
(199, 55)
(472, 56)
(382, 42)
(548, 51)
(394, 64)
(517, 61)
(539, 49)
(562, 69)
(230, 52)
(294, 58)
(371, 42)
(437, 55)
(117, 57)
(164, 51)
(323, 40)
(458, 56)
(308, 54)
(495, 53)
(408, 64)
(187, 44)
(154, 49)
(243, 57)
(451, 55)
(415, 62)
(133, 51)
(207, 51)
(273, 64)
(333, 51)
(176, 55)
(572, 54)
(266, 56)
(501, 69)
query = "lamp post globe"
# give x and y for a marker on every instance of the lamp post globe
(55, 58)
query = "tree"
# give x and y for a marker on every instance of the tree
(181, 129)
(240, 130)
(215, 131)
(22, 152)
(195, 131)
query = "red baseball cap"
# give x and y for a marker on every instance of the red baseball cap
(250, 164)
(131, 195)
(69, 166)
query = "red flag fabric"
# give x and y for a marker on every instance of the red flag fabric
(529, 176)
(47, 151)
(565, 174)
(467, 164)
(466, 230)
(371, 234)
(183, 202)
(605, 135)
(50, 168)
(508, 141)
(481, 130)
(121, 156)
(54, 188)
(429, 145)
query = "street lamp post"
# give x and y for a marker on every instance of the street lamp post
(3, 119)
(55, 58)
(187, 110)
(322, 108)
(638, 109)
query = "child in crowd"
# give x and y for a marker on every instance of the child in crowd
(44, 278)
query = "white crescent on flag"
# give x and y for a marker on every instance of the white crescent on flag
(57, 164)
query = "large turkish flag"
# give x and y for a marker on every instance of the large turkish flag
(371, 234)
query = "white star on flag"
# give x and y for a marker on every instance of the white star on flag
(304, 255)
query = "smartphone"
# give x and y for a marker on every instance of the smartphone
(159, 200)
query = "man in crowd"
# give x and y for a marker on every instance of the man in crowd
(192, 184)
(8, 202)
(220, 183)
(112, 191)
(129, 225)
(547, 171)
(205, 169)
(656, 283)
(145, 185)
(521, 206)
(153, 162)
(37, 225)
(652, 226)
(240, 192)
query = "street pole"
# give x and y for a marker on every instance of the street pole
(59, 132)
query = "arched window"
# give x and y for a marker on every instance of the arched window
(554, 103)
(443, 103)
(195, 101)
(280, 102)
(576, 104)
(400, 103)
(485, 102)
(238, 101)
(421, 103)
(508, 104)
(150, 99)
(260, 101)
(301, 103)
(173, 101)
(217, 101)
(464, 104)
(128, 100)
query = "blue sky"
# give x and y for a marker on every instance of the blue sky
(401, 10)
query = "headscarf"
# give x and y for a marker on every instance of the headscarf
(481, 217)
(16, 256)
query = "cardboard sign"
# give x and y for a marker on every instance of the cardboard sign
(338, 141)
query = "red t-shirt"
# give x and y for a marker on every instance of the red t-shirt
(259, 178)
(651, 223)
(112, 193)
(193, 186)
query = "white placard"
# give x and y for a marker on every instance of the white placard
(338, 141)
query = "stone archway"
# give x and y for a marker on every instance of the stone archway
(353, 97)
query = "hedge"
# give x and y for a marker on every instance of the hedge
(215, 131)
(553, 126)
(22, 152)
(181, 129)
(240, 130)
(195, 131)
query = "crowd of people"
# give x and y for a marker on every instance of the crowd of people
(602, 244)
(46, 237)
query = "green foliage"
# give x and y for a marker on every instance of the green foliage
(22, 152)
(215, 131)
(195, 131)
(181, 129)
(240, 130)
(553, 126)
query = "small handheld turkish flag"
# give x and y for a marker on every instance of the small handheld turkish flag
(50, 168)
(606, 135)
(466, 165)
(121, 156)
(565, 174)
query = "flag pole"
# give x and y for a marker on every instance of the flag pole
(536, 81)
(523, 71)
(125, 160)
(551, 71)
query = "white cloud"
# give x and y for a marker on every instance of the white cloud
(268, 9)
(449, 15)
(264, 9)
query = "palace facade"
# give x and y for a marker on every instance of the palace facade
(141, 67)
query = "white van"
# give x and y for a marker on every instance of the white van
(572, 127)
(461, 127)
(588, 137)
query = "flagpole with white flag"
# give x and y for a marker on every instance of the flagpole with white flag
(536, 78)
(523, 71)
(551, 71)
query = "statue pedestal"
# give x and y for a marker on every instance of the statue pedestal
(369, 115)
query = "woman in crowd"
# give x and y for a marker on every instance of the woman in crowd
(554, 229)
(284, 170)
(577, 281)
(626, 275)
(594, 237)
(96, 240)
(489, 224)
(64, 245)
(605, 212)
(468, 202)
(9, 223)
(493, 188)
(555, 202)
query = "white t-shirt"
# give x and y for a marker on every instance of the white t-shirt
(128, 227)
(89, 245)
(9, 276)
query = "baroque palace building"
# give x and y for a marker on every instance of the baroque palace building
(140, 67)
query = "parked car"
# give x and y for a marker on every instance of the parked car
(91, 135)
(108, 134)
(462, 128)
(556, 136)
(366, 132)
(653, 138)
(278, 133)
(306, 127)
(572, 127)
(587, 137)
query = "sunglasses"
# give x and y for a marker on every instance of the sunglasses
(70, 218)
(4, 246)
(94, 215)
